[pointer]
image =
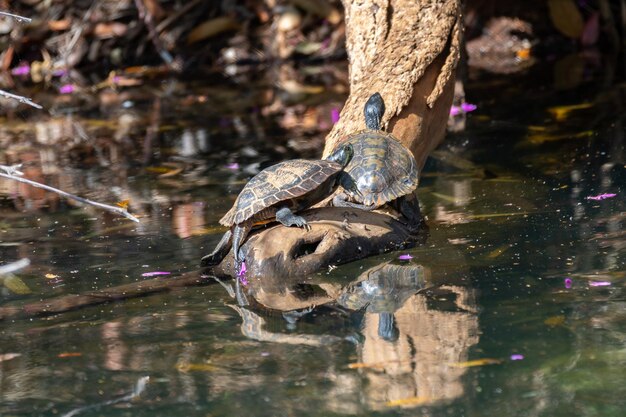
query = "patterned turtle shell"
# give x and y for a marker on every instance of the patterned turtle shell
(382, 168)
(281, 182)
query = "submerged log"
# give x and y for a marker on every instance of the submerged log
(406, 50)
(106, 295)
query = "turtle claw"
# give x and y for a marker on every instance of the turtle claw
(300, 222)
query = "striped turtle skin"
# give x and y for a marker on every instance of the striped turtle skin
(382, 168)
(282, 182)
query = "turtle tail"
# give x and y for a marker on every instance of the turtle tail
(229, 218)
(374, 110)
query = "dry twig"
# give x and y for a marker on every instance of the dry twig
(20, 99)
(17, 17)
(12, 173)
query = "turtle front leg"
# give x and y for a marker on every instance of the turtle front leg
(341, 200)
(288, 218)
(219, 252)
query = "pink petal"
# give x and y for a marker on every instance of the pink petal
(599, 284)
(23, 69)
(233, 166)
(601, 196)
(517, 357)
(405, 257)
(455, 110)
(242, 273)
(334, 115)
(67, 89)
(468, 107)
(243, 269)
(568, 283)
(154, 273)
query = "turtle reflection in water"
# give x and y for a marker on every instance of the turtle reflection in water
(383, 290)
(277, 193)
(382, 169)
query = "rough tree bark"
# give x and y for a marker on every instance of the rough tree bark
(406, 50)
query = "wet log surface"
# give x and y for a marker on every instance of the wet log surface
(336, 236)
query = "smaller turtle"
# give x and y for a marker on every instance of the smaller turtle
(382, 169)
(277, 193)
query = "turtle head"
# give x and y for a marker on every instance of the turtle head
(343, 155)
(374, 110)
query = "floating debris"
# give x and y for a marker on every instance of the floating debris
(517, 357)
(406, 257)
(477, 362)
(69, 355)
(568, 283)
(599, 284)
(155, 273)
(408, 401)
(8, 356)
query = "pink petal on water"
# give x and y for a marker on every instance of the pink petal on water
(601, 196)
(23, 69)
(67, 89)
(405, 257)
(155, 273)
(455, 110)
(233, 166)
(599, 283)
(59, 72)
(517, 357)
(568, 283)
(334, 115)
(468, 107)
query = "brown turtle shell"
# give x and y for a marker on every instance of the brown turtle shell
(382, 168)
(281, 182)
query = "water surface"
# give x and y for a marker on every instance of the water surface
(514, 305)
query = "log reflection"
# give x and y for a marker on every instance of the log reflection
(407, 342)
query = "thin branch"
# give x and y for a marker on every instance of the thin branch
(14, 266)
(20, 99)
(10, 173)
(17, 17)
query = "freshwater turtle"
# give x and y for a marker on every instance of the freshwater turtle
(382, 169)
(277, 193)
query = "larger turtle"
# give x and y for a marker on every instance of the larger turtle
(382, 169)
(278, 192)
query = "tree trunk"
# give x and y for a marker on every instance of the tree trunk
(406, 50)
